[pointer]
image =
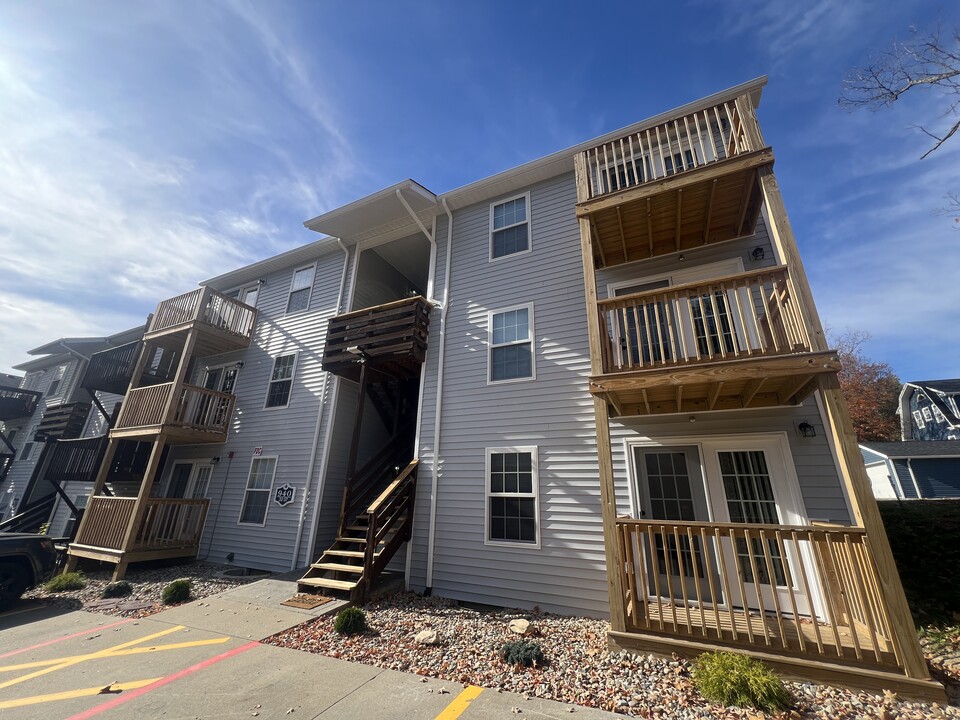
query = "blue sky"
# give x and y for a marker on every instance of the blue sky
(146, 146)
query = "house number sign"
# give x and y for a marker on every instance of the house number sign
(257, 451)
(283, 495)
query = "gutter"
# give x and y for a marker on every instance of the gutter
(316, 435)
(432, 537)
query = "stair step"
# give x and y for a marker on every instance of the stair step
(362, 541)
(338, 567)
(327, 583)
(361, 528)
(345, 553)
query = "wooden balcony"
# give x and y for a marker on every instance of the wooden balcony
(185, 414)
(391, 338)
(6, 462)
(75, 460)
(16, 403)
(62, 422)
(804, 596)
(679, 185)
(169, 527)
(224, 323)
(111, 370)
(734, 342)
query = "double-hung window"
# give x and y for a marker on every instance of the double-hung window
(512, 512)
(510, 227)
(281, 381)
(511, 344)
(57, 379)
(300, 286)
(257, 494)
(249, 295)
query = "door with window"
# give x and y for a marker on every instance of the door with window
(189, 480)
(671, 488)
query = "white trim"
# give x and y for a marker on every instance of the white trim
(293, 377)
(313, 281)
(535, 495)
(913, 478)
(528, 222)
(222, 366)
(680, 276)
(269, 491)
(532, 339)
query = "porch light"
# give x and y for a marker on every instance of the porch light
(807, 430)
(758, 253)
(239, 365)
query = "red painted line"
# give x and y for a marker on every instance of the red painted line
(68, 637)
(133, 694)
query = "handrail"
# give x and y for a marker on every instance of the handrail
(364, 312)
(207, 306)
(388, 491)
(702, 137)
(112, 369)
(16, 403)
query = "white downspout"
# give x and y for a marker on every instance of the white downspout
(316, 435)
(432, 537)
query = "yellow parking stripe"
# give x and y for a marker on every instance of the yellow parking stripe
(460, 703)
(116, 653)
(71, 694)
(78, 659)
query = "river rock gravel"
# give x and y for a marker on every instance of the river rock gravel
(578, 668)
(148, 585)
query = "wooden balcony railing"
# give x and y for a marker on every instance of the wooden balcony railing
(64, 421)
(167, 523)
(75, 460)
(170, 523)
(742, 316)
(16, 403)
(670, 148)
(111, 370)
(207, 306)
(392, 336)
(195, 408)
(105, 522)
(810, 592)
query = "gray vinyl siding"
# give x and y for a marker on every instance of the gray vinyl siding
(378, 282)
(553, 413)
(902, 469)
(937, 477)
(97, 424)
(287, 433)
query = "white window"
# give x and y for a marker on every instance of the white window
(510, 227)
(281, 381)
(937, 415)
(299, 298)
(257, 494)
(26, 451)
(57, 379)
(927, 415)
(510, 334)
(512, 513)
(918, 419)
(249, 295)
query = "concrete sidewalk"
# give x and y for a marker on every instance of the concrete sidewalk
(203, 660)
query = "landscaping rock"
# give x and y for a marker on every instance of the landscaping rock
(427, 637)
(520, 627)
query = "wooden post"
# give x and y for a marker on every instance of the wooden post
(98, 484)
(608, 498)
(136, 517)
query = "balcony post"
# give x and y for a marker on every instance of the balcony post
(105, 463)
(179, 376)
(608, 498)
(140, 506)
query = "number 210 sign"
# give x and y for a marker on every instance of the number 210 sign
(257, 451)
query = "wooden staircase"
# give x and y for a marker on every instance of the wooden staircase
(379, 524)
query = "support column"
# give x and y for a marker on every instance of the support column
(98, 484)
(139, 508)
(608, 497)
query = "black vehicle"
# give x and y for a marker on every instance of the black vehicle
(25, 560)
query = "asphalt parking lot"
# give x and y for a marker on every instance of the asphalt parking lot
(203, 660)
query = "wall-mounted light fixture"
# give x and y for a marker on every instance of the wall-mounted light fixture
(807, 430)
(239, 364)
(692, 418)
(215, 461)
(681, 257)
(758, 254)
(261, 281)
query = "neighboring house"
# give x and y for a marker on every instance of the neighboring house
(913, 469)
(595, 383)
(53, 408)
(930, 410)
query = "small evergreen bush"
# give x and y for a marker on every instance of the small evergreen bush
(118, 589)
(176, 592)
(66, 582)
(350, 621)
(733, 679)
(522, 652)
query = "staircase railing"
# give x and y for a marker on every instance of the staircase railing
(29, 517)
(363, 485)
(389, 520)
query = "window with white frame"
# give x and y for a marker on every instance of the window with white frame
(26, 451)
(57, 379)
(512, 488)
(510, 227)
(249, 295)
(257, 494)
(300, 286)
(281, 381)
(511, 344)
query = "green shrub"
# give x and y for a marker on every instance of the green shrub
(66, 582)
(733, 679)
(118, 589)
(176, 592)
(522, 652)
(350, 621)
